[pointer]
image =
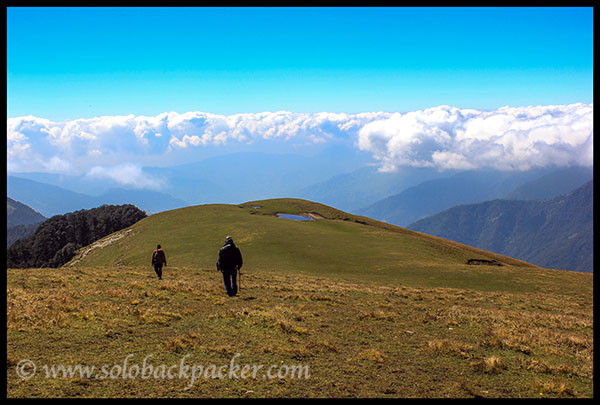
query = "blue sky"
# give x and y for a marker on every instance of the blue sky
(110, 90)
(68, 63)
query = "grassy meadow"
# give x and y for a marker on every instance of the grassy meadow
(373, 310)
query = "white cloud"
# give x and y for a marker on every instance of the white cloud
(451, 160)
(508, 138)
(57, 165)
(443, 137)
(127, 174)
(114, 139)
(185, 141)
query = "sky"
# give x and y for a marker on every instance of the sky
(91, 86)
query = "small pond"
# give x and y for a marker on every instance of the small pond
(294, 217)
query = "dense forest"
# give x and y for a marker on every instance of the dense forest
(57, 239)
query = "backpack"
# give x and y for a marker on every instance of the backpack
(158, 257)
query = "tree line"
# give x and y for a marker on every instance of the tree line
(57, 239)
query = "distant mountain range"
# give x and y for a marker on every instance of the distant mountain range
(231, 178)
(433, 196)
(363, 187)
(552, 233)
(52, 200)
(551, 185)
(469, 187)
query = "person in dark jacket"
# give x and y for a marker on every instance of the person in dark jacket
(158, 260)
(230, 262)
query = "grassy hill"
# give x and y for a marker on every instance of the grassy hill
(338, 244)
(373, 310)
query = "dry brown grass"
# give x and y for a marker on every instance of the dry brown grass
(359, 339)
(448, 346)
(373, 355)
(489, 365)
(555, 387)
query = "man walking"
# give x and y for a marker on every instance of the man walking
(230, 262)
(158, 259)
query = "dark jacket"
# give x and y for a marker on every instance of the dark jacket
(229, 257)
(158, 257)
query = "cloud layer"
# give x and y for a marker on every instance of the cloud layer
(508, 138)
(443, 137)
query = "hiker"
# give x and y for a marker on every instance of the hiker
(158, 259)
(230, 262)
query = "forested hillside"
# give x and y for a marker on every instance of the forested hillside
(556, 233)
(57, 239)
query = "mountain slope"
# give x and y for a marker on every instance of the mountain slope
(14, 233)
(352, 191)
(20, 214)
(552, 185)
(21, 221)
(47, 199)
(555, 233)
(433, 196)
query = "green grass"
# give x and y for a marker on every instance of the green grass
(373, 310)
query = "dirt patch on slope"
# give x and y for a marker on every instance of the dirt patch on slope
(99, 244)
